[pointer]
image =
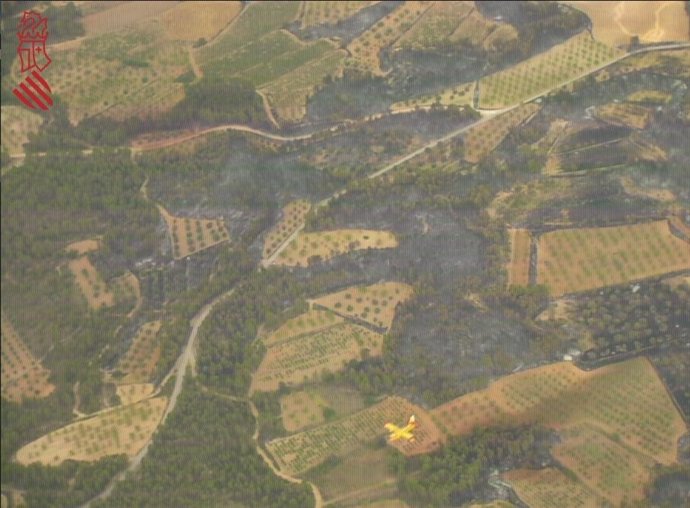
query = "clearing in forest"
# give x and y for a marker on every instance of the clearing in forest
(374, 304)
(139, 362)
(616, 22)
(309, 322)
(572, 260)
(299, 452)
(520, 248)
(365, 49)
(307, 357)
(625, 114)
(84, 246)
(482, 139)
(623, 410)
(543, 72)
(129, 394)
(329, 12)
(313, 406)
(191, 21)
(545, 488)
(650, 96)
(23, 376)
(308, 248)
(92, 286)
(122, 430)
(291, 219)
(189, 236)
(16, 124)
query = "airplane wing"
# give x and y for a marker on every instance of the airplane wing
(390, 427)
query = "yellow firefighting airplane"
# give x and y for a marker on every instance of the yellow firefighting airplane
(402, 433)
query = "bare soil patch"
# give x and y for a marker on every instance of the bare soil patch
(520, 247)
(84, 246)
(129, 394)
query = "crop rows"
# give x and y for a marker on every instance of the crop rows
(545, 488)
(189, 236)
(292, 218)
(309, 322)
(139, 362)
(89, 281)
(574, 260)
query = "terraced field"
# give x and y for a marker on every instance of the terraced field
(544, 488)
(122, 430)
(297, 453)
(544, 72)
(189, 236)
(329, 12)
(374, 304)
(520, 246)
(292, 218)
(307, 248)
(308, 356)
(139, 362)
(365, 48)
(16, 125)
(92, 286)
(572, 260)
(309, 322)
(620, 413)
(483, 139)
(23, 376)
(625, 114)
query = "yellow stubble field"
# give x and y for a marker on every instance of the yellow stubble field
(190, 21)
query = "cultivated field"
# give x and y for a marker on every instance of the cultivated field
(482, 139)
(623, 410)
(545, 488)
(479, 31)
(299, 452)
(327, 244)
(307, 357)
(572, 260)
(92, 286)
(129, 394)
(120, 74)
(139, 362)
(306, 408)
(309, 322)
(114, 16)
(373, 304)
(23, 376)
(615, 22)
(122, 430)
(460, 95)
(328, 12)
(543, 72)
(189, 236)
(17, 123)
(520, 245)
(625, 114)
(292, 218)
(365, 48)
(435, 26)
(191, 21)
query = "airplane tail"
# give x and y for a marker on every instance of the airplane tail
(412, 422)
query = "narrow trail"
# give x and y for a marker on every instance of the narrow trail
(268, 110)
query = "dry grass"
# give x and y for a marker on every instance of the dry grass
(307, 357)
(544, 72)
(129, 394)
(92, 286)
(329, 13)
(299, 452)
(573, 260)
(122, 430)
(482, 139)
(520, 246)
(139, 362)
(373, 304)
(123, 15)
(291, 219)
(634, 189)
(23, 376)
(301, 409)
(84, 246)
(189, 236)
(17, 122)
(650, 97)
(328, 244)
(625, 114)
(615, 22)
(365, 48)
(190, 21)
(545, 488)
(309, 322)
(558, 310)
